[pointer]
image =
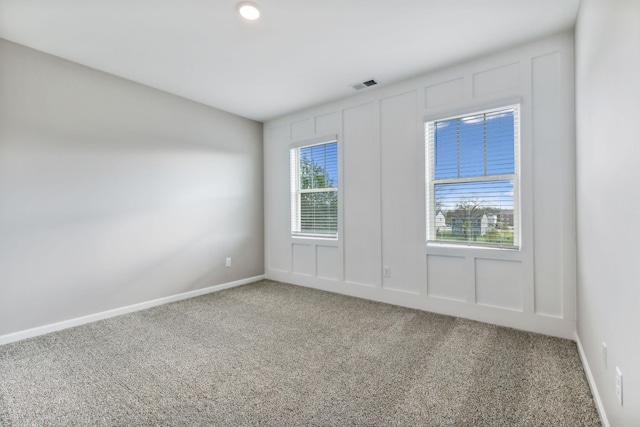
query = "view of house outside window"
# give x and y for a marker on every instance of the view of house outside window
(473, 178)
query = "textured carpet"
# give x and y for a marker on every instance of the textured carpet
(274, 354)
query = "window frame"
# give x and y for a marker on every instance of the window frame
(296, 192)
(431, 182)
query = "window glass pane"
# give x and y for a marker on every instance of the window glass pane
(479, 212)
(471, 141)
(319, 212)
(446, 149)
(475, 145)
(319, 166)
(314, 185)
(500, 145)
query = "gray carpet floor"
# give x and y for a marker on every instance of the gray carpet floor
(274, 354)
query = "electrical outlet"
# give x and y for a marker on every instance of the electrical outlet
(604, 354)
(619, 385)
(386, 271)
(227, 262)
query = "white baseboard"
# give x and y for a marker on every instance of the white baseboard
(41, 330)
(532, 322)
(592, 383)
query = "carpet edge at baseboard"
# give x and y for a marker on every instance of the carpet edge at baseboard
(77, 321)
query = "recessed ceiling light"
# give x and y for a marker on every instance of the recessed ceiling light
(249, 11)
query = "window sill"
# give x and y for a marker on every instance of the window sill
(316, 239)
(463, 245)
(474, 251)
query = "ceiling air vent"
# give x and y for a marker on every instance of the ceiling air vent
(365, 84)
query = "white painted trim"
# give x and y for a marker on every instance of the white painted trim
(308, 142)
(592, 383)
(41, 330)
(531, 322)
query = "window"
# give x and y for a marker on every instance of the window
(472, 179)
(314, 190)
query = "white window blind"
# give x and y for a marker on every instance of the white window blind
(472, 178)
(314, 190)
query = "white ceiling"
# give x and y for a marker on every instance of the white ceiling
(300, 53)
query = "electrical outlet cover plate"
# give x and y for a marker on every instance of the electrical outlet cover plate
(619, 385)
(386, 271)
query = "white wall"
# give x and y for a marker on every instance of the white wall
(608, 199)
(382, 216)
(113, 193)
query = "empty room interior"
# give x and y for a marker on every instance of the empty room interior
(279, 212)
